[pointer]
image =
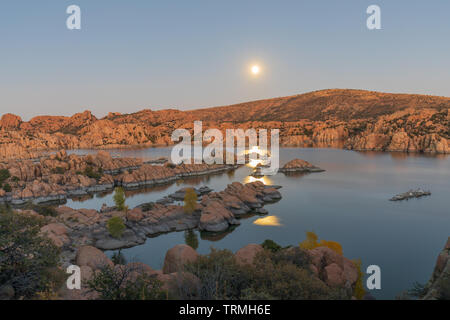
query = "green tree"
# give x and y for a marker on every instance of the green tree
(119, 199)
(190, 201)
(28, 261)
(116, 227)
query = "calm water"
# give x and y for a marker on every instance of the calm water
(348, 203)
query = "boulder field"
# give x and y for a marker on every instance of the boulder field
(61, 176)
(215, 212)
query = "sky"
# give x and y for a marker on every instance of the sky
(185, 54)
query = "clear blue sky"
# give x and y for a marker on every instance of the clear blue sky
(186, 54)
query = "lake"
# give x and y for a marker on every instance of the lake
(348, 203)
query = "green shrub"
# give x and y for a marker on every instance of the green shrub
(26, 258)
(89, 172)
(147, 206)
(7, 187)
(4, 175)
(47, 211)
(58, 170)
(120, 284)
(283, 275)
(116, 227)
(271, 245)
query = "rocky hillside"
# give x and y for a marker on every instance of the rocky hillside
(354, 119)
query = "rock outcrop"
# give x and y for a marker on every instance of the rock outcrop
(438, 287)
(299, 165)
(247, 254)
(177, 257)
(333, 268)
(61, 176)
(354, 119)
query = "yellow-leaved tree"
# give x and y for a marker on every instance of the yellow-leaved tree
(312, 242)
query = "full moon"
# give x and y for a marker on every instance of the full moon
(255, 70)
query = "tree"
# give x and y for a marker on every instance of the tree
(28, 261)
(359, 286)
(312, 242)
(190, 201)
(116, 227)
(119, 199)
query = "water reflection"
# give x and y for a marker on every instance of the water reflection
(271, 221)
(266, 180)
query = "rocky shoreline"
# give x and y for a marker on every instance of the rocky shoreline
(215, 212)
(62, 176)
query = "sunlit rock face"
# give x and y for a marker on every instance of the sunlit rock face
(354, 119)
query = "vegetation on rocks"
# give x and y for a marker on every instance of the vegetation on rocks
(115, 227)
(190, 201)
(28, 261)
(312, 242)
(280, 274)
(125, 283)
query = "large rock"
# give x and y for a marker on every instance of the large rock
(57, 232)
(299, 165)
(247, 254)
(437, 286)
(334, 275)
(93, 258)
(10, 121)
(177, 257)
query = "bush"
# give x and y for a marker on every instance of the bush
(147, 206)
(47, 211)
(283, 274)
(190, 201)
(116, 227)
(271, 245)
(58, 170)
(7, 187)
(28, 261)
(4, 175)
(220, 276)
(125, 283)
(89, 172)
